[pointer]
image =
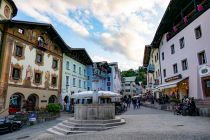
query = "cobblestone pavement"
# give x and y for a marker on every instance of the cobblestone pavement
(146, 124)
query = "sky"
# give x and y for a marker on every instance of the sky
(109, 30)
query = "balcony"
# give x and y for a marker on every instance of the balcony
(151, 68)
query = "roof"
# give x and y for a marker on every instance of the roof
(48, 28)
(81, 55)
(146, 58)
(173, 10)
(129, 79)
(11, 2)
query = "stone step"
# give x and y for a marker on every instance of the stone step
(67, 128)
(117, 119)
(69, 123)
(52, 131)
(66, 131)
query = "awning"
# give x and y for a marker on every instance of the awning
(170, 84)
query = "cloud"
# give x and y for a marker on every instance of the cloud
(125, 24)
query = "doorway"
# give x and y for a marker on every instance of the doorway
(206, 86)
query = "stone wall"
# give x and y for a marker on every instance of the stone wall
(94, 111)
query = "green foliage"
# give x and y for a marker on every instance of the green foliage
(140, 74)
(53, 107)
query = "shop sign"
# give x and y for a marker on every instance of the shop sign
(173, 78)
(43, 101)
(205, 70)
(32, 117)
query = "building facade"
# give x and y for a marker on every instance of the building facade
(183, 41)
(77, 74)
(101, 70)
(152, 63)
(8, 9)
(31, 64)
(129, 86)
(114, 78)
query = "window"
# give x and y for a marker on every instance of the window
(84, 85)
(108, 88)
(163, 57)
(84, 72)
(54, 81)
(184, 65)
(208, 84)
(74, 82)
(21, 31)
(202, 58)
(67, 80)
(80, 84)
(38, 77)
(16, 74)
(67, 65)
(39, 57)
(40, 41)
(74, 68)
(108, 79)
(127, 90)
(172, 49)
(181, 42)
(198, 32)
(55, 63)
(164, 72)
(80, 72)
(175, 68)
(19, 51)
(157, 56)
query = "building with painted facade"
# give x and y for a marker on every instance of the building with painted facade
(31, 64)
(77, 73)
(183, 41)
(152, 62)
(101, 70)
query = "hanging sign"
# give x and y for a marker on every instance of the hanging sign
(205, 70)
(173, 78)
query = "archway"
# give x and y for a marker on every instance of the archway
(53, 99)
(32, 102)
(16, 103)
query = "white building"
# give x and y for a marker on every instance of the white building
(183, 39)
(114, 78)
(129, 86)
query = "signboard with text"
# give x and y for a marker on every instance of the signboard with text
(173, 78)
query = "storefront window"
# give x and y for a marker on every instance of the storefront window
(208, 84)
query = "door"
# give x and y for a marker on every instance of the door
(206, 86)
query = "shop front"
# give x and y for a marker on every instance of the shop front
(175, 87)
(204, 73)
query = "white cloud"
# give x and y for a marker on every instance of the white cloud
(125, 22)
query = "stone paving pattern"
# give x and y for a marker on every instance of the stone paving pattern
(145, 124)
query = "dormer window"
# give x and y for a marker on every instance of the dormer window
(21, 31)
(40, 41)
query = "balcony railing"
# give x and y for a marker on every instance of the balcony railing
(188, 18)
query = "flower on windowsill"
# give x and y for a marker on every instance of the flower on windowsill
(175, 29)
(199, 7)
(185, 19)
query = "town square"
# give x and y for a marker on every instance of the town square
(104, 70)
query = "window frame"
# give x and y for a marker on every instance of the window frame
(56, 80)
(163, 56)
(55, 67)
(196, 29)
(164, 73)
(175, 68)
(182, 42)
(199, 61)
(172, 49)
(183, 66)
(40, 81)
(39, 52)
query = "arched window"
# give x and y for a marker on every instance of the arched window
(40, 41)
